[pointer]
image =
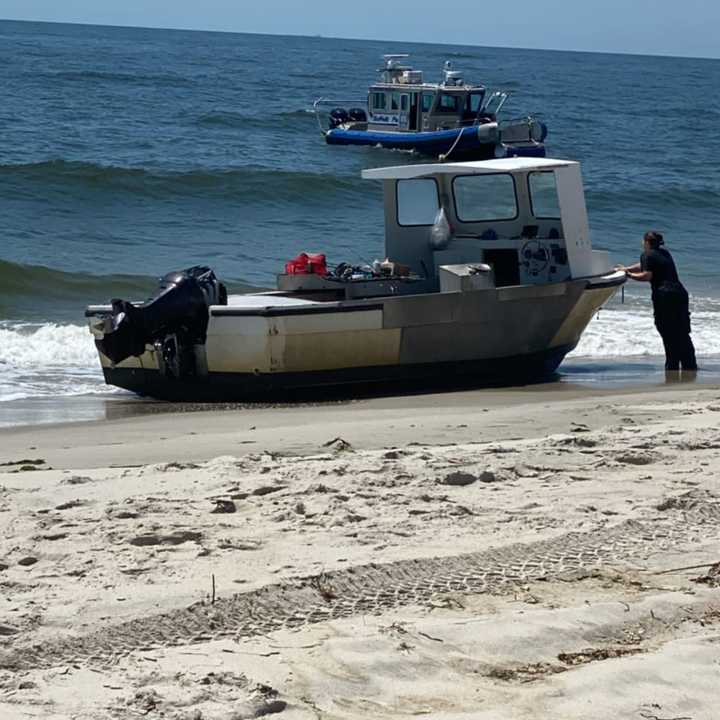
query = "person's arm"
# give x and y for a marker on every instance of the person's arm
(643, 271)
(629, 268)
(642, 276)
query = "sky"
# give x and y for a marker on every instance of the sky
(656, 27)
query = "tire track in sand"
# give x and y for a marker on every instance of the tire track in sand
(374, 589)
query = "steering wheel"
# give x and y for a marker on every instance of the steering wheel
(535, 257)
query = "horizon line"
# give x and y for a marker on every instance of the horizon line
(359, 39)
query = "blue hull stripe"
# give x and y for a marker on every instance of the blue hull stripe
(427, 143)
(431, 143)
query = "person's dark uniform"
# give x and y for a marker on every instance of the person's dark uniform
(671, 306)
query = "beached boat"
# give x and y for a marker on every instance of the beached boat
(450, 119)
(491, 276)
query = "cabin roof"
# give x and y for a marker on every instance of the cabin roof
(399, 87)
(477, 167)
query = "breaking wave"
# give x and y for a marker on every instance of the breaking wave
(34, 291)
(246, 183)
(631, 333)
(33, 345)
(47, 360)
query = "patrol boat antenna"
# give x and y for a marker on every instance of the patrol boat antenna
(452, 78)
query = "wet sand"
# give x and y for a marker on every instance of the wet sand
(519, 553)
(147, 431)
(576, 375)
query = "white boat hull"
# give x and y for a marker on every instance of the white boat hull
(260, 346)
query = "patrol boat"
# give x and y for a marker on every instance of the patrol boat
(490, 277)
(450, 119)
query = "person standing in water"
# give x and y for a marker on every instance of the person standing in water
(670, 301)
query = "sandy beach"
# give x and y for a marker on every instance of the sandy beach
(534, 553)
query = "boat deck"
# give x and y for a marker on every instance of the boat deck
(263, 300)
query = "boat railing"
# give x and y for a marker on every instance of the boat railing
(494, 103)
(324, 102)
(520, 120)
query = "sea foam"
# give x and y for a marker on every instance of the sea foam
(47, 360)
(34, 345)
(631, 333)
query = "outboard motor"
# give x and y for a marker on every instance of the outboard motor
(175, 320)
(338, 116)
(357, 115)
(538, 131)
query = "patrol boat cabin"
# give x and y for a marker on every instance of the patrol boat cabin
(446, 118)
(401, 100)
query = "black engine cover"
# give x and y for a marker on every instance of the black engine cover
(180, 308)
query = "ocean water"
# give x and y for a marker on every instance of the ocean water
(127, 153)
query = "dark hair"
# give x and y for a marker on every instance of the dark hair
(654, 239)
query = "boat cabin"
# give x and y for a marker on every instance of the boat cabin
(524, 217)
(401, 101)
(403, 112)
(489, 275)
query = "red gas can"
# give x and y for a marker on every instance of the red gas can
(307, 264)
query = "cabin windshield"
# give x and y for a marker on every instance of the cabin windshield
(448, 103)
(475, 102)
(482, 198)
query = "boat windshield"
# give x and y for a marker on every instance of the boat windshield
(484, 198)
(475, 102)
(448, 103)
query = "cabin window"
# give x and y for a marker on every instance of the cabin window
(449, 103)
(379, 101)
(417, 201)
(543, 195)
(481, 198)
(404, 103)
(475, 101)
(427, 101)
(395, 101)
